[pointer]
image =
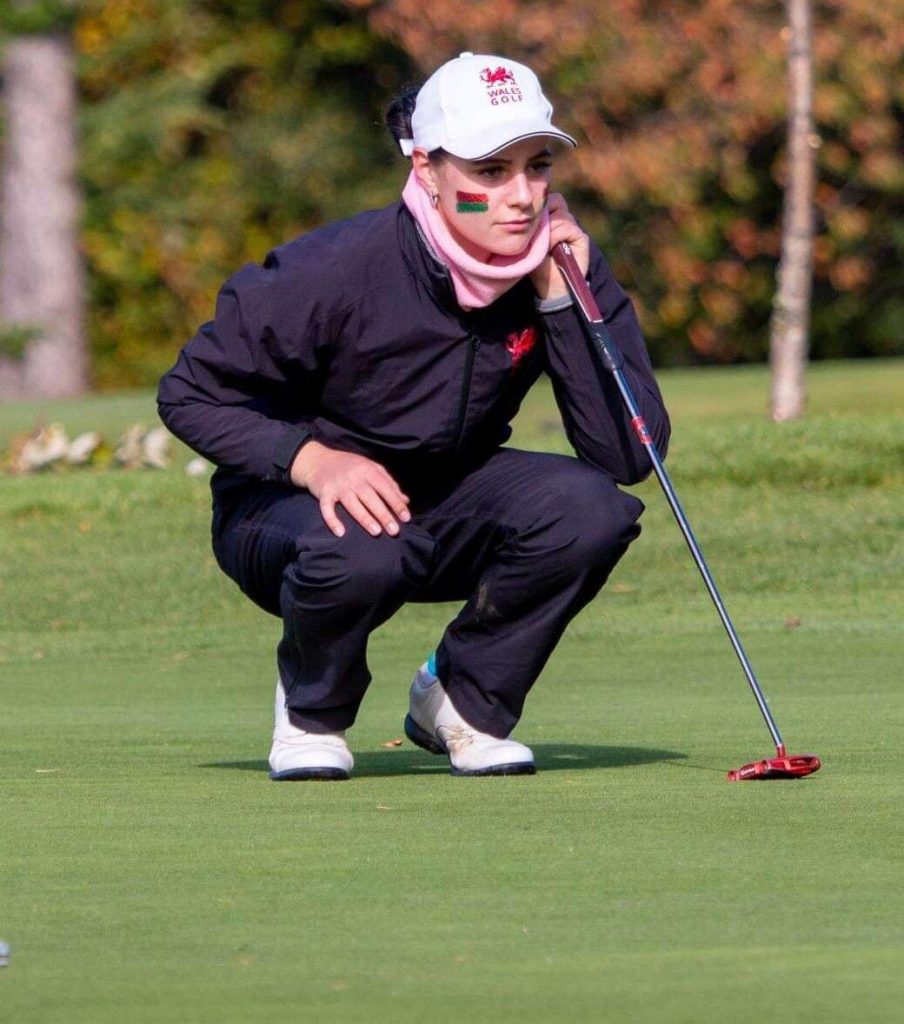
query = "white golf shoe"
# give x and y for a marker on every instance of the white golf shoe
(297, 755)
(434, 724)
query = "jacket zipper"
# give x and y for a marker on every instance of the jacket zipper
(466, 389)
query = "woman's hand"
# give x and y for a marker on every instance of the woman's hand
(547, 279)
(362, 487)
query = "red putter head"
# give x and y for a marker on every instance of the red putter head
(788, 766)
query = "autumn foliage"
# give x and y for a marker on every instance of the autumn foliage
(211, 131)
(680, 109)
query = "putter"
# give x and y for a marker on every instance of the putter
(783, 765)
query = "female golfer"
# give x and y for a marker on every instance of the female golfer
(356, 391)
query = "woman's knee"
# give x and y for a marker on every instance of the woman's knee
(596, 518)
(360, 569)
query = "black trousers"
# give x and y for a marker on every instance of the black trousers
(524, 539)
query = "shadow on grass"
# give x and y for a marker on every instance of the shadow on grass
(549, 757)
(557, 756)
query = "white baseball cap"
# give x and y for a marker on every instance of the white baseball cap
(477, 104)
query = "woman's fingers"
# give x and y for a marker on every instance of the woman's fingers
(393, 495)
(361, 486)
(547, 280)
(356, 508)
(328, 511)
(564, 228)
(364, 505)
(369, 507)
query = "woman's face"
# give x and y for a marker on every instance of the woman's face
(493, 205)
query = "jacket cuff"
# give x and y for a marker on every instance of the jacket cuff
(554, 305)
(287, 448)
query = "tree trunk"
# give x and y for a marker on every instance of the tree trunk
(41, 275)
(790, 327)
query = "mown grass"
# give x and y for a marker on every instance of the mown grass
(149, 871)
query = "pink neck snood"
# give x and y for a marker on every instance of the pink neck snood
(476, 284)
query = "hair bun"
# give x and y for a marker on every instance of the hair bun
(397, 118)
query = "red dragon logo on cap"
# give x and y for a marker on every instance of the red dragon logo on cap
(501, 76)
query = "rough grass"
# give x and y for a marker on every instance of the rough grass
(150, 872)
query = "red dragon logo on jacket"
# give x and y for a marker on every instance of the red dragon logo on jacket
(518, 345)
(501, 76)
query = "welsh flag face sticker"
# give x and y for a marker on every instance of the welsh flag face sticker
(472, 202)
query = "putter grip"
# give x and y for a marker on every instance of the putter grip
(578, 286)
(609, 353)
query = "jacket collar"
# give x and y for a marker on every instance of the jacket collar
(423, 263)
(434, 276)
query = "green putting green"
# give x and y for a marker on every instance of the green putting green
(150, 872)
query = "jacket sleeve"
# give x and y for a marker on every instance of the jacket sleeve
(596, 420)
(240, 388)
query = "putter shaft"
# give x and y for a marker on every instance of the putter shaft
(612, 360)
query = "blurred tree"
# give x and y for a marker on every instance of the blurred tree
(42, 339)
(680, 169)
(789, 330)
(214, 131)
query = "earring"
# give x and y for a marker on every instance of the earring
(434, 199)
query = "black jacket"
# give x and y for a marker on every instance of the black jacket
(351, 334)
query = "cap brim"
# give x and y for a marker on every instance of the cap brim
(474, 147)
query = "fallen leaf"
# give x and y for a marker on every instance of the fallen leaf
(83, 447)
(45, 446)
(792, 622)
(155, 447)
(128, 450)
(389, 744)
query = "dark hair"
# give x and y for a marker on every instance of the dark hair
(397, 118)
